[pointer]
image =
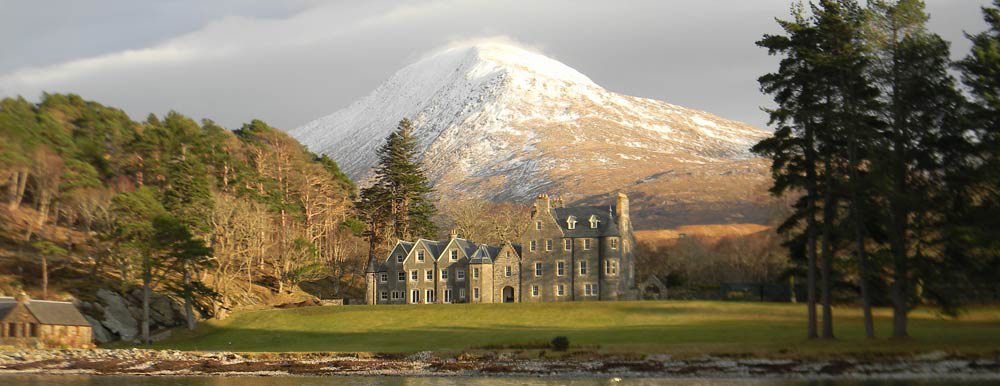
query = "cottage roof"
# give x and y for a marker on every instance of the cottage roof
(434, 247)
(468, 246)
(606, 224)
(484, 254)
(48, 312)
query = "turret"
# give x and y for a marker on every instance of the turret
(621, 212)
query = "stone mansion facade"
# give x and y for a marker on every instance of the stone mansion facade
(567, 254)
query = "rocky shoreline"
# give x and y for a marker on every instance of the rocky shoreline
(503, 363)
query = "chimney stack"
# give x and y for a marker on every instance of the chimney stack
(21, 298)
(621, 211)
(454, 233)
(542, 203)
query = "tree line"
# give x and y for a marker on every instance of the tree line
(895, 163)
(171, 204)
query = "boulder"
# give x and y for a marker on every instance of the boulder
(117, 317)
(100, 334)
(162, 310)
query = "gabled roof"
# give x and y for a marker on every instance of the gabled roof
(485, 254)
(406, 246)
(606, 224)
(47, 312)
(434, 247)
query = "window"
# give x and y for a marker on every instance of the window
(413, 275)
(420, 255)
(538, 269)
(475, 273)
(475, 292)
(571, 222)
(454, 254)
(395, 295)
(589, 289)
(583, 268)
(611, 267)
(384, 277)
(460, 274)
(538, 225)
(384, 295)
(593, 222)
(430, 297)
(560, 268)
(507, 271)
(586, 244)
(33, 330)
(534, 290)
(401, 276)
(561, 290)
(548, 245)
(444, 274)
(12, 329)
(461, 294)
(614, 243)
(415, 297)
(532, 245)
(447, 295)
(399, 258)
(429, 275)
(568, 244)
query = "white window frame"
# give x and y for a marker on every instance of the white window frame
(461, 294)
(420, 256)
(415, 275)
(399, 258)
(535, 292)
(586, 244)
(567, 244)
(384, 295)
(611, 267)
(453, 255)
(429, 275)
(561, 290)
(401, 276)
(538, 269)
(583, 268)
(593, 222)
(571, 222)
(475, 273)
(429, 296)
(475, 293)
(448, 295)
(459, 274)
(507, 271)
(538, 225)
(383, 277)
(532, 245)
(548, 244)
(614, 243)
(444, 273)
(415, 296)
(560, 268)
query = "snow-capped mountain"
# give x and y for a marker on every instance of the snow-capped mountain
(501, 122)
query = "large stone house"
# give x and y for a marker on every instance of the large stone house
(567, 254)
(42, 324)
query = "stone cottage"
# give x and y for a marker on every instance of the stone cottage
(567, 254)
(42, 323)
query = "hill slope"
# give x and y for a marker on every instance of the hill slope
(500, 122)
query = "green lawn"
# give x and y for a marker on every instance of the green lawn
(678, 327)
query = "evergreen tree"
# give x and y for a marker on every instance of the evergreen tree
(403, 189)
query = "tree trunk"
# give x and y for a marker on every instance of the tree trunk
(20, 183)
(811, 239)
(829, 206)
(147, 282)
(45, 277)
(859, 242)
(188, 302)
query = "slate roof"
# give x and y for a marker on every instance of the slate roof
(466, 245)
(434, 247)
(482, 255)
(48, 312)
(606, 224)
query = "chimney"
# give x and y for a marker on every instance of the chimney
(454, 234)
(542, 203)
(621, 212)
(21, 298)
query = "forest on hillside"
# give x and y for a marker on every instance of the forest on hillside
(81, 180)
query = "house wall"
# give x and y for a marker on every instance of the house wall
(16, 330)
(393, 268)
(444, 263)
(542, 231)
(507, 257)
(422, 283)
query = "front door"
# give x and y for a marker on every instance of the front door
(508, 294)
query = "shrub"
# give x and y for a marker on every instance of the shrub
(560, 343)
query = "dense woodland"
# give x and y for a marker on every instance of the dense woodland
(894, 163)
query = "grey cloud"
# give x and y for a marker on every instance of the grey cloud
(235, 61)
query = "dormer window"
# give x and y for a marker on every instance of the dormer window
(420, 255)
(571, 222)
(454, 254)
(399, 258)
(593, 222)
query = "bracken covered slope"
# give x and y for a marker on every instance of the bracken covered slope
(501, 122)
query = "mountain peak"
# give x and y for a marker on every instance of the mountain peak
(502, 122)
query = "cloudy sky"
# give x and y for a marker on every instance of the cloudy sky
(292, 61)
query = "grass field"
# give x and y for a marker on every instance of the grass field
(677, 327)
